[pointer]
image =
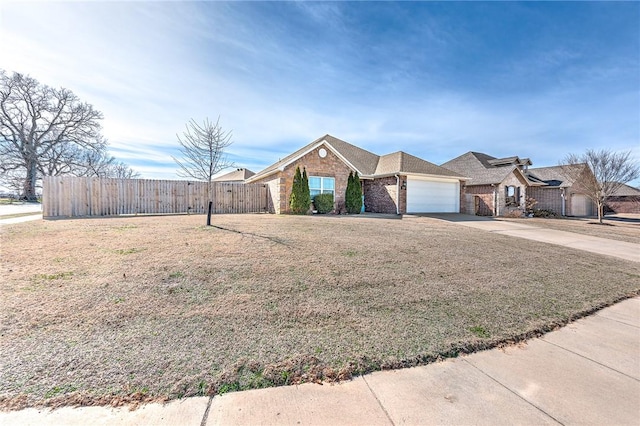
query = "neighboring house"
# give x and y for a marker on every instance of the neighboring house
(498, 186)
(559, 192)
(238, 175)
(625, 200)
(495, 186)
(394, 183)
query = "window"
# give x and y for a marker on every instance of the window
(512, 194)
(321, 185)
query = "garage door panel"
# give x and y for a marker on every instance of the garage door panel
(424, 196)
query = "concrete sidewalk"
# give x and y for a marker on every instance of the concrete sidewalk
(585, 373)
(19, 208)
(605, 246)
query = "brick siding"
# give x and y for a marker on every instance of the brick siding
(380, 195)
(624, 204)
(547, 198)
(484, 194)
(330, 166)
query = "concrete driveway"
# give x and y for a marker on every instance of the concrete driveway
(620, 249)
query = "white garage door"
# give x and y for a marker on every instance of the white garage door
(580, 205)
(432, 196)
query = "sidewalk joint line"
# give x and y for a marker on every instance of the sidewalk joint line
(378, 400)
(615, 320)
(205, 417)
(590, 359)
(513, 392)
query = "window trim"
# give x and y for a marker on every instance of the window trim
(322, 189)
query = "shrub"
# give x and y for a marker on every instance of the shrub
(323, 202)
(544, 213)
(513, 213)
(300, 198)
(529, 203)
(353, 196)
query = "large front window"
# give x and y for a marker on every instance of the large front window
(321, 185)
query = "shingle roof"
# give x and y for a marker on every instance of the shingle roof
(477, 167)
(553, 176)
(365, 162)
(403, 163)
(237, 175)
(627, 191)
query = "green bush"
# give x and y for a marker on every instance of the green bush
(300, 198)
(353, 196)
(323, 203)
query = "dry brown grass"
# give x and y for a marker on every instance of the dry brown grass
(620, 229)
(102, 311)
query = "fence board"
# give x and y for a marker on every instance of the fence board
(65, 196)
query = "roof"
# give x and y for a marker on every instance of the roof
(555, 176)
(366, 163)
(626, 191)
(403, 163)
(238, 175)
(508, 161)
(478, 167)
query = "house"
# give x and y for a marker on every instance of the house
(498, 186)
(238, 175)
(495, 185)
(561, 192)
(395, 183)
(626, 199)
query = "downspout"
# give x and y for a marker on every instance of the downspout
(564, 201)
(397, 194)
(495, 201)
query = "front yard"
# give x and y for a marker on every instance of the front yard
(104, 311)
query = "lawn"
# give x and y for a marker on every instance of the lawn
(105, 311)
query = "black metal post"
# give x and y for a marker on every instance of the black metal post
(209, 213)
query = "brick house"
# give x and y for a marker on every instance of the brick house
(498, 186)
(626, 199)
(560, 193)
(395, 183)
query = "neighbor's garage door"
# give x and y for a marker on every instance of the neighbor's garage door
(432, 196)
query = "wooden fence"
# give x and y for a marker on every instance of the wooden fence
(65, 196)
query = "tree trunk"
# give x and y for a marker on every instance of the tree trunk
(600, 211)
(29, 189)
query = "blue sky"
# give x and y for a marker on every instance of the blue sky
(434, 79)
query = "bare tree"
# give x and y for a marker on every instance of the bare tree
(203, 149)
(39, 126)
(609, 171)
(120, 170)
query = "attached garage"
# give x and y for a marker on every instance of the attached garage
(432, 195)
(581, 205)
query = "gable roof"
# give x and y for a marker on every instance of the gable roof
(366, 163)
(403, 163)
(556, 176)
(626, 191)
(477, 166)
(551, 176)
(237, 175)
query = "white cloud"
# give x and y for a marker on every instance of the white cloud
(150, 67)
